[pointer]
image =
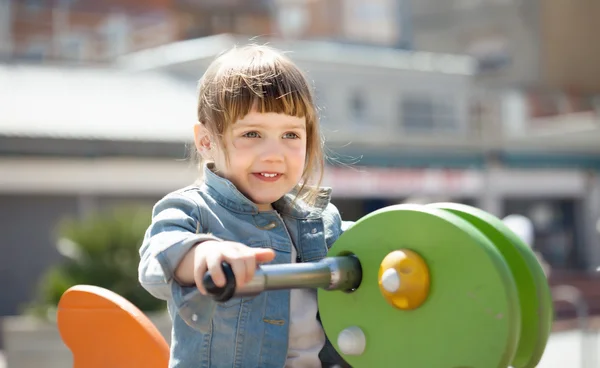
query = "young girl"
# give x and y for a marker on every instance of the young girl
(259, 201)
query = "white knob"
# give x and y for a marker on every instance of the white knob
(390, 280)
(352, 341)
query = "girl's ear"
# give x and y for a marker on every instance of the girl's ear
(202, 138)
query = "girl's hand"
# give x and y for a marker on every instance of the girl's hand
(209, 255)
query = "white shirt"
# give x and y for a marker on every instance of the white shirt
(306, 337)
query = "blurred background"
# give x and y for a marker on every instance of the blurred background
(492, 103)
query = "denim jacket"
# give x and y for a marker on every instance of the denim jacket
(242, 332)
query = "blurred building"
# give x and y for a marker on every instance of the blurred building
(537, 67)
(532, 44)
(201, 18)
(75, 140)
(84, 30)
(98, 31)
(370, 22)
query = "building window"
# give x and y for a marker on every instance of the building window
(428, 113)
(73, 47)
(358, 107)
(116, 32)
(491, 51)
(37, 50)
(33, 6)
(292, 20)
(467, 4)
(555, 229)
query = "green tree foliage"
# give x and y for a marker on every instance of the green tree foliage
(102, 250)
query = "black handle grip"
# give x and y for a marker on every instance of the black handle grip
(220, 294)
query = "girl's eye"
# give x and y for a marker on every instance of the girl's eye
(291, 135)
(251, 135)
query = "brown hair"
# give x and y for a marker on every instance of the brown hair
(258, 76)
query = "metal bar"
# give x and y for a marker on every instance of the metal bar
(331, 273)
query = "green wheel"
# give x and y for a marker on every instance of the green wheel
(470, 317)
(534, 292)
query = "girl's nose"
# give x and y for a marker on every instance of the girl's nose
(273, 150)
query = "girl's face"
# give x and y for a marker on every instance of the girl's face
(267, 155)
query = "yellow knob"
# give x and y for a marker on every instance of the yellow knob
(404, 279)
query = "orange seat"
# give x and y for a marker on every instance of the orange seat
(102, 329)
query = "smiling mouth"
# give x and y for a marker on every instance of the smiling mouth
(267, 176)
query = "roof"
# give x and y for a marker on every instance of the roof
(94, 103)
(206, 48)
(139, 100)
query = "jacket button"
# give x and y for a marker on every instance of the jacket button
(269, 226)
(314, 231)
(194, 317)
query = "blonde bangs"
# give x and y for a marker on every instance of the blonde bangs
(269, 83)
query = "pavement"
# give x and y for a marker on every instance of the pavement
(570, 349)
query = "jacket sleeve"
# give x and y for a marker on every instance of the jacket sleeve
(334, 225)
(175, 228)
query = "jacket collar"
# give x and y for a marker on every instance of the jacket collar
(228, 196)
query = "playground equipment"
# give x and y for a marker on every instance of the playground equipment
(439, 285)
